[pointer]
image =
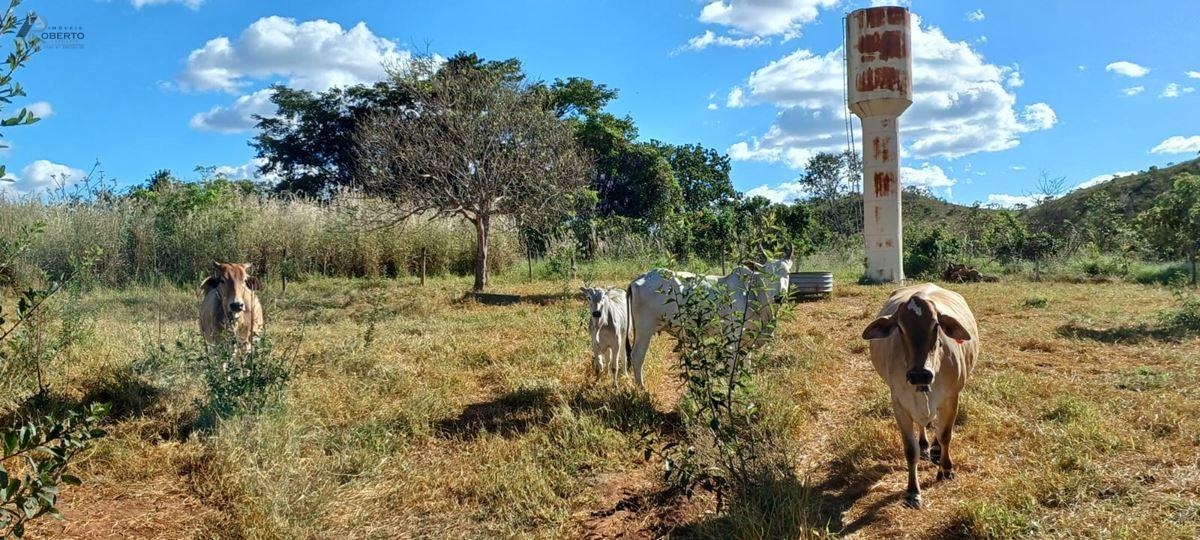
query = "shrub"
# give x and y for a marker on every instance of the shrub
(931, 253)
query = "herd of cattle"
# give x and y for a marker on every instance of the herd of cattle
(923, 343)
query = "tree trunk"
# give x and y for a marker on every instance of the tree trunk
(1192, 263)
(482, 229)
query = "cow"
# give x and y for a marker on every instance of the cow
(230, 307)
(654, 300)
(608, 328)
(924, 344)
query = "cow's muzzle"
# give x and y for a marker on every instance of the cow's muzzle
(921, 378)
(595, 314)
(236, 307)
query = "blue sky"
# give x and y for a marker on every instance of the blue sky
(1004, 90)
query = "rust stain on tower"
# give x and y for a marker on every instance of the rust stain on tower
(883, 183)
(881, 149)
(885, 45)
(881, 78)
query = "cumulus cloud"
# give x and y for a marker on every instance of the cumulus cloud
(927, 176)
(765, 17)
(1127, 69)
(1178, 145)
(976, 16)
(311, 55)
(246, 171)
(712, 106)
(40, 109)
(780, 193)
(1099, 179)
(708, 39)
(39, 177)
(237, 117)
(191, 4)
(1005, 200)
(1133, 90)
(961, 104)
(1173, 90)
(1193, 74)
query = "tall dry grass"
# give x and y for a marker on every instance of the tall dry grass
(146, 242)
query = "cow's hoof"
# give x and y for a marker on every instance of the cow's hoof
(912, 500)
(945, 475)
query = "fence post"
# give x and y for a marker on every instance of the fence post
(529, 257)
(423, 257)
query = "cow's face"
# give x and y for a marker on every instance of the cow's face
(777, 269)
(594, 297)
(920, 326)
(233, 284)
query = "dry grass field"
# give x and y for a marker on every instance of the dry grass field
(414, 413)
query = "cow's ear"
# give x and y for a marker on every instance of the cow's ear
(253, 283)
(880, 328)
(209, 283)
(953, 328)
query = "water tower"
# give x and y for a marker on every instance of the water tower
(879, 82)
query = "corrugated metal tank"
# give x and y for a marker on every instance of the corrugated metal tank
(879, 83)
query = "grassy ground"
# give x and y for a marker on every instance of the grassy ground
(412, 412)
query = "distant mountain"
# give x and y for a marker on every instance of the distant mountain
(1134, 194)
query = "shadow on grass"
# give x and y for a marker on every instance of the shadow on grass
(777, 505)
(509, 415)
(1128, 334)
(497, 299)
(627, 409)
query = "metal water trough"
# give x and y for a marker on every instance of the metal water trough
(810, 283)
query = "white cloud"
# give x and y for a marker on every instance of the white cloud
(976, 16)
(1178, 145)
(191, 4)
(961, 104)
(1082, 67)
(736, 97)
(1173, 90)
(708, 38)
(41, 176)
(1017, 167)
(1127, 69)
(712, 106)
(1101, 179)
(237, 117)
(1014, 79)
(1193, 74)
(311, 55)
(246, 171)
(1133, 90)
(928, 176)
(780, 193)
(1005, 200)
(40, 109)
(765, 17)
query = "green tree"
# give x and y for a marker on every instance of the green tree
(1173, 223)
(309, 143)
(479, 143)
(702, 174)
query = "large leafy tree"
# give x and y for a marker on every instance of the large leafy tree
(1173, 223)
(702, 174)
(309, 143)
(478, 143)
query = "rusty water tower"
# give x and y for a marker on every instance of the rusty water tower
(879, 83)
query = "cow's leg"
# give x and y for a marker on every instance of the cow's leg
(912, 450)
(597, 364)
(924, 442)
(641, 344)
(947, 412)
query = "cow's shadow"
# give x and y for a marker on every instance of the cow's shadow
(509, 415)
(1128, 334)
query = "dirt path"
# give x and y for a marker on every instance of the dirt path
(158, 509)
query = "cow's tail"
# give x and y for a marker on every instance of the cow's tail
(630, 331)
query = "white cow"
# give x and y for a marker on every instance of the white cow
(608, 328)
(654, 300)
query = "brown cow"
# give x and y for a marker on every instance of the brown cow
(924, 344)
(230, 305)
